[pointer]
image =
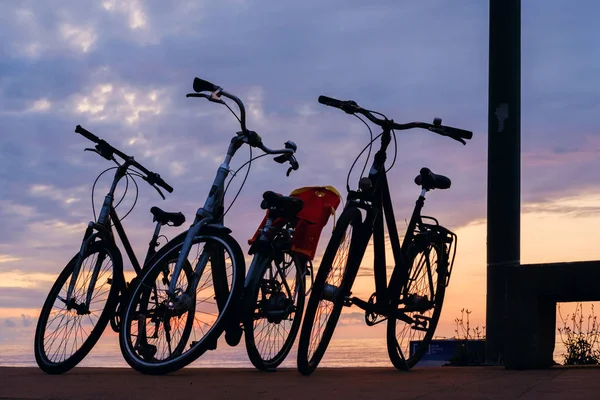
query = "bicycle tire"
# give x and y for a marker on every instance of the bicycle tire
(274, 303)
(393, 343)
(41, 348)
(306, 363)
(141, 293)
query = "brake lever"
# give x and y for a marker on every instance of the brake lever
(441, 131)
(281, 158)
(294, 166)
(108, 154)
(214, 96)
(159, 192)
(459, 140)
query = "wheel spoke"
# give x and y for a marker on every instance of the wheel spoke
(422, 286)
(63, 331)
(178, 323)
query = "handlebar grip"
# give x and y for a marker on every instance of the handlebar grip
(329, 101)
(200, 85)
(154, 179)
(164, 185)
(461, 133)
(87, 134)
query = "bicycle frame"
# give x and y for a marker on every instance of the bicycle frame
(265, 253)
(211, 214)
(375, 199)
(103, 229)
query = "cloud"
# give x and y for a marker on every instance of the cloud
(122, 69)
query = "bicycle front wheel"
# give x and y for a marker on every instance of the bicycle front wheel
(164, 332)
(68, 329)
(332, 284)
(275, 306)
(420, 299)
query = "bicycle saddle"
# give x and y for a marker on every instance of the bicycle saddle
(286, 204)
(175, 218)
(429, 180)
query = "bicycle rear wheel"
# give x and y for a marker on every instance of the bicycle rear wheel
(275, 306)
(66, 332)
(332, 284)
(423, 294)
(156, 336)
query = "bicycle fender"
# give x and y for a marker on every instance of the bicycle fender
(220, 227)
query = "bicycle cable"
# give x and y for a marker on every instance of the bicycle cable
(370, 144)
(395, 151)
(137, 192)
(234, 114)
(234, 173)
(394, 135)
(161, 236)
(126, 188)
(94, 187)
(249, 162)
(127, 176)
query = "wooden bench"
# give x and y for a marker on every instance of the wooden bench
(532, 291)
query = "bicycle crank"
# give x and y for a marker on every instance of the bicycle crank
(372, 317)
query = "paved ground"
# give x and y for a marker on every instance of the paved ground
(337, 384)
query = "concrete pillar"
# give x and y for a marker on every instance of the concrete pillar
(504, 164)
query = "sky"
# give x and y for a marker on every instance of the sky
(121, 69)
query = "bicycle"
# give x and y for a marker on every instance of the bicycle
(423, 263)
(214, 289)
(80, 290)
(274, 291)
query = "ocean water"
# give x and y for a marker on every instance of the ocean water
(370, 352)
(340, 353)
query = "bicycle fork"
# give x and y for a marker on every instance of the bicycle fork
(83, 308)
(358, 246)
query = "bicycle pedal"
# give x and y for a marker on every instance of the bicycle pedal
(419, 328)
(146, 350)
(422, 318)
(421, 322)
(210, 346)
(233, 335)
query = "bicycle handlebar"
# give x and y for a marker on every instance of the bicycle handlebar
(251, 137)
(287, 154)
(351, 107)
(106, 150)
(200, 85)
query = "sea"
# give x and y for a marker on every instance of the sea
(364, 352)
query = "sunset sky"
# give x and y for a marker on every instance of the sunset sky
(121, 69)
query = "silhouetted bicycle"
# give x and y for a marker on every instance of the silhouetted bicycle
(283, 247)
(217, 279)
(90, 288)
(412, 301)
